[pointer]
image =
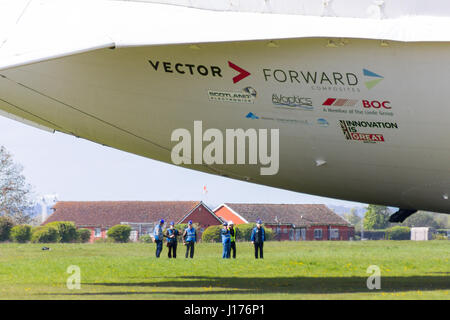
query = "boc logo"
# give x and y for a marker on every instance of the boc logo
(376, 104)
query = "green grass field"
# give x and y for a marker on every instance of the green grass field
(290, 270)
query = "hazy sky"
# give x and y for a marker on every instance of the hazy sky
(77, 169)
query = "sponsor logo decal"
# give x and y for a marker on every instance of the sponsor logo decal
(191, 69)
(290, 102)
(340, 102)
(247, 95)
(242, 73)
(376, 104)
(351, 130)
(253, 116)
(186, 68)
(322, 122)
(323, 80)
(370, 107)
(374, 78)
(319, 80)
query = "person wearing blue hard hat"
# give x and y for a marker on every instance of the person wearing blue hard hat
(172, 241)
(226, 241)
(257, 238)
(159, 236)
(189, 239)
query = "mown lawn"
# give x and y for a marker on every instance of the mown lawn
(290, 270)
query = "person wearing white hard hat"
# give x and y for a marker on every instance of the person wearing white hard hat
(233, 232)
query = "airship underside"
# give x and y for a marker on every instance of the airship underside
(360, 105)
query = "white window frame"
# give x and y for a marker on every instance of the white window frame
(99, 234)
(320, 231)
(334, 231)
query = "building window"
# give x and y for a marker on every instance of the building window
(285, 230)
(334, 233)
(97, 232)
(317, 233)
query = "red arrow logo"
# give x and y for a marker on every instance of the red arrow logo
(242, 73)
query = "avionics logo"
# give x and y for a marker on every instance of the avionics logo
(235, 139)
(292, 101)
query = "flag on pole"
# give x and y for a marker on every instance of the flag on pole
(205, 191)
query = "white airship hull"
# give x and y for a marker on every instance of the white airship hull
(360, 120)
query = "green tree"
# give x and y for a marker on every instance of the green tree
(422, 219)
(354, 219)
(376, 217)
(15, 193)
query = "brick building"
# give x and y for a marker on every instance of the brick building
(142, 216)
(291, 221)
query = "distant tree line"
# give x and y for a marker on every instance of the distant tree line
(58, 231)
(377, 218)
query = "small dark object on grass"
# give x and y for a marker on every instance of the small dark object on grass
(45, 248)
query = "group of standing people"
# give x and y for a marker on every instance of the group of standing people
(228, 234)
(189, 239)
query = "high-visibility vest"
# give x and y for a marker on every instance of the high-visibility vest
(233, 236)
(190, 234)
(170, 232)
(225, 235)
(158, 232)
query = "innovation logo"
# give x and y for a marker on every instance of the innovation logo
(375, 78)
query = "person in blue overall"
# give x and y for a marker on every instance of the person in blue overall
(226, 241)
(257, 238)
(172, 241)
(189, 239)
(158, 235)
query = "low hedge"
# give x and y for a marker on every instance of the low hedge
(146, 238)
(6, 224)
(45, 234)
(21, 233)
(212, 234)
(84, 235)
(120, 233)
(243, 233)
(398, 233)
(66, 229)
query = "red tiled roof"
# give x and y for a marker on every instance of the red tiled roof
(110, 213)
(297, 214)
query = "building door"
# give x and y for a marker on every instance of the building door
(303, 234)
(134, 235)
(297, 234)
(291, 234)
